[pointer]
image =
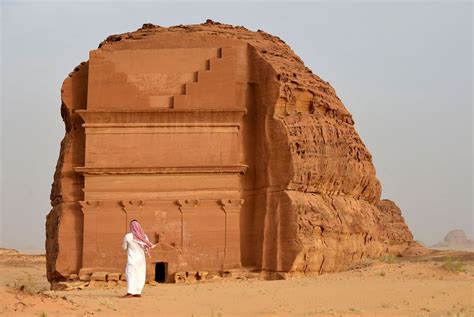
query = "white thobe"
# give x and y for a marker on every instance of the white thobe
(136, 265)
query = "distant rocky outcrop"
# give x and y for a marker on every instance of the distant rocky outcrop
(456, 240)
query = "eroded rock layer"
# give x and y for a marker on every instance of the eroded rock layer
(229, 151)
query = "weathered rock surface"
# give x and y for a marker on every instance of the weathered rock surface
(295, 171)
(456, 240)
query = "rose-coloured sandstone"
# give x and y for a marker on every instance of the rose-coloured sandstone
(230, 152)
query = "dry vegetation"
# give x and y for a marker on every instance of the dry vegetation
(453, 265)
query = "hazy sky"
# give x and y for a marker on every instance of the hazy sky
(404, 70)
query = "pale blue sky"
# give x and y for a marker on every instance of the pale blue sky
(404, 70)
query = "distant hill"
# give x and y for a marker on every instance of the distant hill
(456, 240)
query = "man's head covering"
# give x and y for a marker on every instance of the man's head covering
(140, 237)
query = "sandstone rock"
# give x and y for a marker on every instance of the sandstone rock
(99, 276)
(227, 149)
(113, 277)
(226, 274)
(180, 278)
(456, 240)
(98, 284)
(68, 285)
(59, 286)
(85, 277)
(201, 275)
(76, 285)
(416, 249)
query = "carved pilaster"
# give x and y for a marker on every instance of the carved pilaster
(187, 207)
(231, 209)
(89, 245)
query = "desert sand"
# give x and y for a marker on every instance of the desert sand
(410, 286)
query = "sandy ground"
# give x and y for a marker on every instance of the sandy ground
(417, 286)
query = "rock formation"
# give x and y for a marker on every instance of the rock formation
(456, 240)
(230, 152)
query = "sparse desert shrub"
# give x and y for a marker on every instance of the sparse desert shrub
(26, 285)
(43, 314)
(362, 264)
(356, 310)
(453, 266)
(107, 303)
(382, 273)
(323, 311)
(389, 258)
(389, 305)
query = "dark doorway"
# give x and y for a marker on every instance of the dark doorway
(161, 271)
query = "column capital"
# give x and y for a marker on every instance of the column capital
(188, 205)
(90, 206)
(132, 206)
(231, 205)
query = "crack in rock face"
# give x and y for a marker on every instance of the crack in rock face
(227, 149)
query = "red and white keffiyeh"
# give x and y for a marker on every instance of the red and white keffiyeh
(140, 237)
